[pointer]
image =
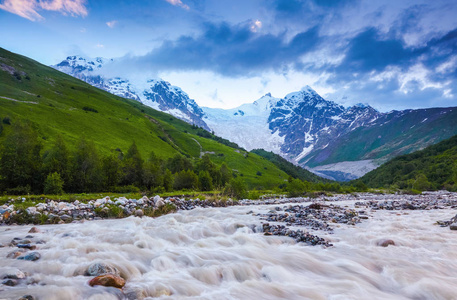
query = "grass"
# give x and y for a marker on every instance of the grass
(59, 104)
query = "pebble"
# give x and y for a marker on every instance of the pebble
(9, 282)
(32, 256)
(15, 253)
(108, 280)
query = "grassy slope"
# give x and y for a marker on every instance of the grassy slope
(437, 162)
(119, 121)
(403, 136)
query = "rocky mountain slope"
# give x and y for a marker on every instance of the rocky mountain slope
(323, 136)
(155, 93)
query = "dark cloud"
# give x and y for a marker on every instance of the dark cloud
(230, 50)
(368, 51)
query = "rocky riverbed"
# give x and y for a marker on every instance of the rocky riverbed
(133, 258)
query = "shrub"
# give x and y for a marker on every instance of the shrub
(126, 189)
(88, 108)
(17, 75)
(53, 184)
(6, 120)
(236, 188)
(296, 188)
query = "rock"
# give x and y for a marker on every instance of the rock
(15, 253)
(27, 297)
(385, 243)
(453, 226)
(159, 203)
(100, 268)
(66, 218)
(14, 275)
(10, 282)
(108, 280)
(31, 210)
(32, 256)
(26, 246)
(139, 213)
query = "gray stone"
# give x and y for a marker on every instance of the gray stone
(32, 256)
(100, 268)
(453, 226)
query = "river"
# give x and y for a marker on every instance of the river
(214, 253)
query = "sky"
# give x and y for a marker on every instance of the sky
(390, 54)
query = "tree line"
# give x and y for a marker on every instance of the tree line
(26, 168)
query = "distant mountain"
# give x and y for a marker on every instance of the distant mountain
(320, 135)
(155, 93)
(435, 167)
(333, 141)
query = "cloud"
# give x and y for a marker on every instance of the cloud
(29, 8)
(111, 24)
(230, 50)
(178, 3)
(100, 45)
(256, 26)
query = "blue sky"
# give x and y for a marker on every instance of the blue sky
(389, 54)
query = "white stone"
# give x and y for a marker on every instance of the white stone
(31, 210)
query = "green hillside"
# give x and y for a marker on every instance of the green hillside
(289, 168)
(435, 167)
(59, 105)
(397, 133)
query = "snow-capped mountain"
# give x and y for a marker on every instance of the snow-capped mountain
(321, 135)
(156, 93)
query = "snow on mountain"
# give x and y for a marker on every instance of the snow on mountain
(155, 93)
(246, 125)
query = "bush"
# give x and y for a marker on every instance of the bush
(53, 184)
(88, 108)
(296, 188)
(6, 120)
(126, 189)
(17, 75)
(236, 188)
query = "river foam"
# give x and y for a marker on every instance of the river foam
(217, 253)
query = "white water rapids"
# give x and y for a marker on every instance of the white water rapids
(213, 253)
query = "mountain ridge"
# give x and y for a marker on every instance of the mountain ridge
(303, 127)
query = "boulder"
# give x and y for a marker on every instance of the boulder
(100, 268)
(108, 280)
(139, 213)
(385, 243)
(453, 226)
(32, 256)
(15, 274)
(34, 230)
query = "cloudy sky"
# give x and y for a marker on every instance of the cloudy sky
(391, 54)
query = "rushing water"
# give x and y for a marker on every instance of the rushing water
(214, 253)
